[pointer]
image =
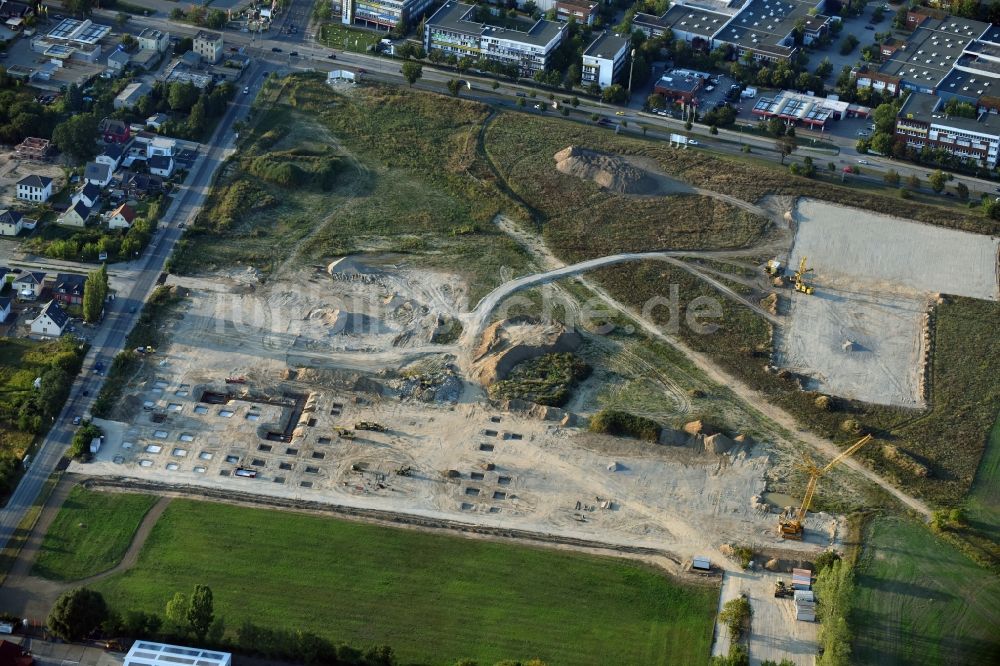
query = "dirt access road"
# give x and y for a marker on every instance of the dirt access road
(755, 400)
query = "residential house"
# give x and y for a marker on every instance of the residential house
(4, 272)
(37, 189)
(114, 131)
(118, 61)
(11, 222)
(121, 217)
(161, 145)
(89, 194)
(208, 45)
(111, 155)
(161, 165)
(141, 185)
(97, 173)
(4, 308)
(51, 321)
(151, 39)
(582, 11)
(28, 285)
(157, 120)
(68, 288)
(76, 216)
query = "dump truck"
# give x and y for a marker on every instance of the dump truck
(369, 425)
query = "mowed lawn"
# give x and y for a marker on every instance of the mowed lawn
(920, 601)
(433, 598)
(90, 534)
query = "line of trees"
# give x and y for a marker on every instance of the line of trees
(95, 293)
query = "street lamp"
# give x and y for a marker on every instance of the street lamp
(631, 67)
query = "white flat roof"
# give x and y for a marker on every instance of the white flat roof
(146, 653)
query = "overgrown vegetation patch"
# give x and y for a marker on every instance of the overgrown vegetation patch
(546, 380)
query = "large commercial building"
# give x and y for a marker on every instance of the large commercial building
(453, 30)
(384, 14)
(933, 50)
(603, 60)
(147, 653)
(922, 123)
(694, 25)
(72, 40)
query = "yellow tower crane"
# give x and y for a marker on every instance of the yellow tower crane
(792, 526)
(800, 278)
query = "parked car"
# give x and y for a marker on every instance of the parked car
(692, 142)
(862, 161)
(77, 420)
(619, 113)
(275, 49)
(293, 54)
(332, 56)
(246, 90)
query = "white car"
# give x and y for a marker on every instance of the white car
(692, 142)
(862, 161)
(246, 91)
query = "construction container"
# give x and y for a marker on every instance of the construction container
(804, 595)
(701, 563)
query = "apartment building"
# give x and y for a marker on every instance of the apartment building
(604, 59)
(209, 46)
(453, 30)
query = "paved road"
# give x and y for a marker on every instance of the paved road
(119, 320)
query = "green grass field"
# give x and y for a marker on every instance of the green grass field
(90, 534)
(920, 601)
(340, 37)
(433, 598)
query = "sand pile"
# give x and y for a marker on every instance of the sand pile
(609, 171)
(506, 343)
(342, 322)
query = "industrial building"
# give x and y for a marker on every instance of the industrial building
(694, 25)
(604, 59)
(72, 40)
(147, 653)
(814, 112)
(453, 30)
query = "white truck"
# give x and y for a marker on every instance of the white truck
(749, 93)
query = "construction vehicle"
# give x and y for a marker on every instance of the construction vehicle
(782, 590)
(800, 278)
(369, 425)
(773, 267)
(791, 523)
(345, 433)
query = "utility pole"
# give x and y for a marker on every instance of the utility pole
(631, 67)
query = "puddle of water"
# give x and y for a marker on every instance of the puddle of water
(226, 413)
(253, 417)
(175, 407)
(160, 434)
(173, 467)
(145, 463)
(180, 453)
(181, 394)
(201, 410)
(781, 500)
(187, 438)
(205, 455)
(199, 470)
(159, 383)
(148, 403)
(154, 448)
(127, 445)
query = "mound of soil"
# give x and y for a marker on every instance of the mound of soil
(616, 173)
(342, 322)
(506, 343)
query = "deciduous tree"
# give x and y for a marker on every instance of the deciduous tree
(77, 613)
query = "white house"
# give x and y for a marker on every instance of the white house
(118, 61)
(121, 217)
(11, 222)
(161, 145)
(147, 653)
(4, 308)
(157, 120)
(161, 165)
(112, 155)
(208, 45)
(34, 188)
(89, 194)
(51, 321)
(97, 173)
(76, 216)
(28, 286)
(152, 39)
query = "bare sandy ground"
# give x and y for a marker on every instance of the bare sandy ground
(868, 251)
(860, 335)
